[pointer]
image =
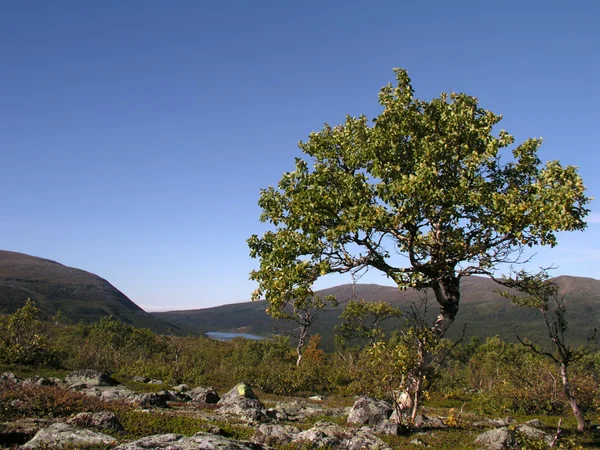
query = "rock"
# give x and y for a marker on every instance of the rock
(151, 400)
(10, 377)
(497, 439)
(39, 381)
(535, 423)
(199, 441)
(104, 420)
(388, 427)
(156, 382)
(141, 379)
(20, 431)
(240, 391)
(181, 388)
(496, 423)
(175, 396)
(322, 434)
(62, 434)
(533, 433)
(90, 377)
(316, 398)
(117, 393)
(325, 434)
(298, 411)
(275, 434)
(368, 411)
(418, 441)
(204, 395)
(365, 439)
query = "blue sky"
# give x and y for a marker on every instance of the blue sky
(135, 136)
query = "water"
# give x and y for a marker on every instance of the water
(220, 336)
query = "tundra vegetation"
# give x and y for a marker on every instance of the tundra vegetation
(475, 381)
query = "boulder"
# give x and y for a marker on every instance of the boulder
(388, 427)
(104, 420)
(181, 388)
(151, 400)
(325, 434)
(275, 434)
(199, 441)
(39, 381)
(204, 395)
(20, 431)
(10, 377)
(239, 392)
(368, 411)
(497, 439)
(117, 393)
(141, 379)
(242, 402)
(533, 433)
(90, 377)
(62, 434)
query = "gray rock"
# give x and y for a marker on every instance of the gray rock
(11, 377)
(368, 411)
(497, 439)
(62, 434)
(299, 411)
(39, 381)
(141, 379)
(151, 400)
(535, 423)
(104, 420)
(181, 388)
(90, 377)
(20, 431)
(156, 382)
(275, 434)
(199, 441)
(387, 427)
(533, 433)
(418, 441)
(238, 392)
(204, 395)
(325, 434)
(117, 393)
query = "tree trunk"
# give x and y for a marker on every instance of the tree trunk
(300, 346)
(447, 294)
(571, 398)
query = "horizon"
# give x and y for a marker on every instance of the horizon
(136, 137)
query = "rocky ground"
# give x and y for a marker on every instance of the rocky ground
(293, 424)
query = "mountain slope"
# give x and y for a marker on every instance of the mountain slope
(483, 311)
(80, 295)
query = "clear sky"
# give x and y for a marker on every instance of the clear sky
(135, 135)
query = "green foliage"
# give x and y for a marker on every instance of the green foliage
(364, 321)
(429, 180)
(23, 338)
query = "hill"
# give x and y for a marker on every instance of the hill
(80, 295)
(483, 311)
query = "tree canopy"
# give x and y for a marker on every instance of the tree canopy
(427, 193)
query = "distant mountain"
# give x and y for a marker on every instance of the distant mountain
(483, 311)
(80, 295)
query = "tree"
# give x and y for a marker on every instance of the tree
(429, 181)
(364, 320)
(542, 294)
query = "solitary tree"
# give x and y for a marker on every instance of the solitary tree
(426, 194)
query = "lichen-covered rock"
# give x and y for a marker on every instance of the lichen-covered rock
(39, 381)
(275, 434)
(104, 420)
(387, 427)
(181, 388)
(243, 403)
(204, 395)
(117, 393)
(533, 433)
(368, 411)
(241, 391)
(326, 434)
(199, 441)
(497, 439)
(90, 377)
(62, 434)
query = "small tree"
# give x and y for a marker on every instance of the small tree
(427, 180)
(542, 294)
(364, 320)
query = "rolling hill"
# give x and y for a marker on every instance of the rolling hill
(80, 295)
(483, 311)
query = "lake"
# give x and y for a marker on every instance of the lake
(220, 336)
